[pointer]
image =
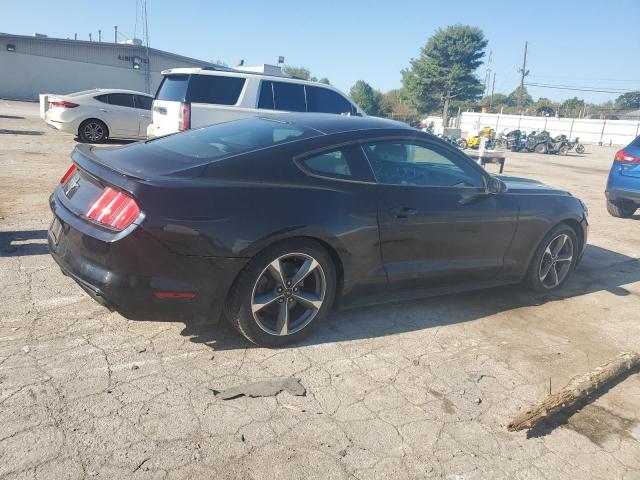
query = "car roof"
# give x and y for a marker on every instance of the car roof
(329, 123)
(114, 90)
(230, 72)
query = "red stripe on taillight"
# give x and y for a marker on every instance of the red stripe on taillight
(185, 116)
(626, 157)
(113, 209)
(164, 295)
(66, 176)
(63, 104)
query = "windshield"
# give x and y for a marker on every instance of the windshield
(231, 138)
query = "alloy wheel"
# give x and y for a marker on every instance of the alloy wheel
(288, 294)
(556, 261)
(93, 131)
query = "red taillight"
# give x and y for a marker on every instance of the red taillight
(63, 104)
(113, 209)
(626, 157)
(185, 116)
(66, 176)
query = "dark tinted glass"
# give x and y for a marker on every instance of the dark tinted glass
(143, 102)
(121, 99)
(289, 97)
(174, 88)
(324, 100)
(266, 95)
(103, 98)
(215, 89)
(406, 163)
(230, 138)
(348, 163)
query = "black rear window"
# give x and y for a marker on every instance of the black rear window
(173, 88)
(214, 89)
(230, 138)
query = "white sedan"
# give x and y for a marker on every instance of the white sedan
(96, 115)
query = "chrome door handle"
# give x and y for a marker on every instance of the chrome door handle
(104, 110)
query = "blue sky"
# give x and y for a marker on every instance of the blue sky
(585, 43)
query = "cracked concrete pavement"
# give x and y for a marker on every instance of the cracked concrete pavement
(414, 390)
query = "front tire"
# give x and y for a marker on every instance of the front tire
(554, 260)
(93, 131)
(621, 210)
(540, 148)
(283, 293)
(564, 150)
(462, 143)
(580, 148)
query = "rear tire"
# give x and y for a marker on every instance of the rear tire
(554, 260)
(462, 143)
(273, 302)
(621, 210)
(540, 148)
(564, 150)
(580, 148)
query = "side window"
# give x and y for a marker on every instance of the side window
(408, 163)
(143, 103)
(324, 100)
(347, 163)
(289, 97)
(102, 98)
(215, 89)
(121, 99)
(266, 95)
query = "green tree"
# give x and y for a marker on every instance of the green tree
(572, 107)
(298, 72)
(512, 98)
(325, 80)
(393, 104)
(628, 101)
(445, 69)
(366, 97)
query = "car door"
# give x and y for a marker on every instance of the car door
(438, 225)
(121, 115)
(143, 106)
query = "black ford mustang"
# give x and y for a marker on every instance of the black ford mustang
(270, 221)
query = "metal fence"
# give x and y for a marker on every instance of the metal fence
(604, 132)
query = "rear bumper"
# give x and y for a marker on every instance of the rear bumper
(132, 274)
(622, 194)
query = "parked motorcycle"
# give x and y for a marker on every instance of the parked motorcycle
(545, 143)
(515, 141)
(577, 145)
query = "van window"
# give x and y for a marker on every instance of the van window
(266, 95)
(324, 100)
(173, 88)
(216, 89)
(289, 97)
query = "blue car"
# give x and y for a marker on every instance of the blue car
(623, 186)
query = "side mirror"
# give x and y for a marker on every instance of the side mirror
(495, 186)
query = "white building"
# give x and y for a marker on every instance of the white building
(30, 65)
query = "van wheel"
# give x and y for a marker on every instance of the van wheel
(283, 293)
(93, 131)
(621, 210)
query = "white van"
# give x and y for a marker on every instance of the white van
(195, 97)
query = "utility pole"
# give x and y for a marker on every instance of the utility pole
(493, 87)
(115, 34)
(75, 36)
(523, 72)
(90, 38)
(99, 35)
(487, 75)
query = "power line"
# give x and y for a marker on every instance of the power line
(587, 79)
(577, 89)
